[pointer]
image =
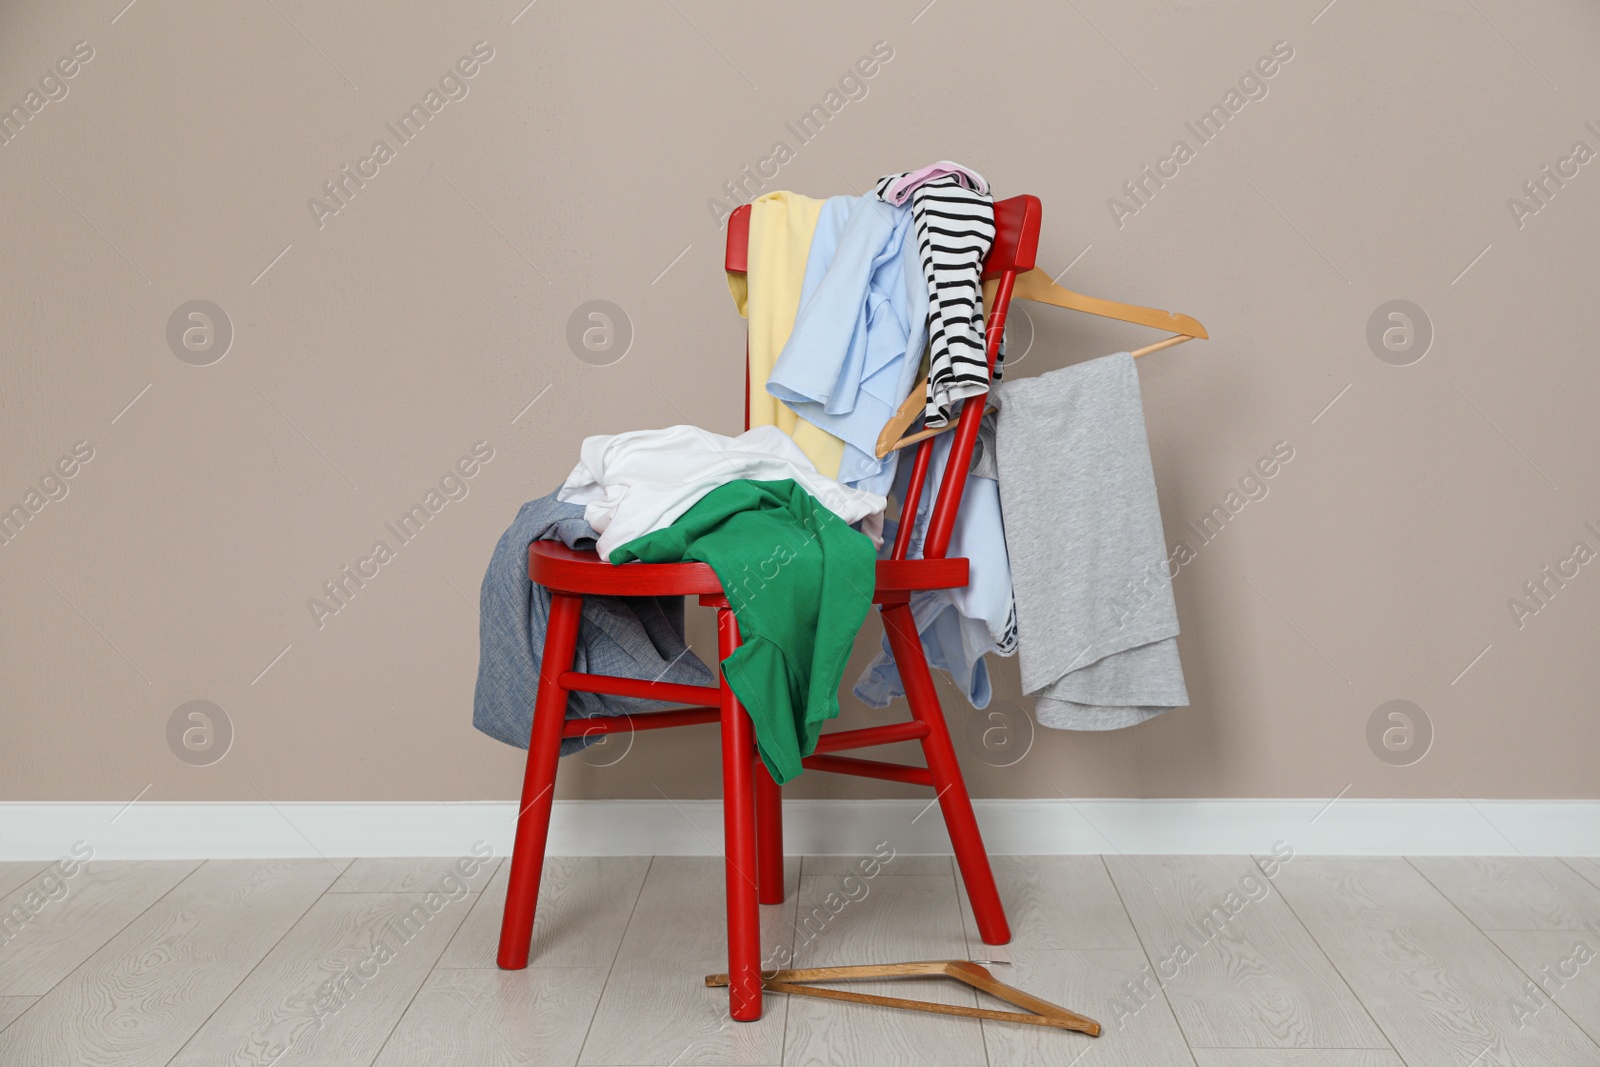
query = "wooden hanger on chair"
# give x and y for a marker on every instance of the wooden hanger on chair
(1036, 285)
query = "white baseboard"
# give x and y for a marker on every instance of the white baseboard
(158, 830)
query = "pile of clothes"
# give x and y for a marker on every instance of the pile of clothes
(850, 300)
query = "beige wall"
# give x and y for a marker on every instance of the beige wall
(371, 351)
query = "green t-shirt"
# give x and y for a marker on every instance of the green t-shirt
(799, 581)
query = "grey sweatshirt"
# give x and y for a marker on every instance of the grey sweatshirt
(1096, 622)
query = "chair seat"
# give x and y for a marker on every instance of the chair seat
(568, 570)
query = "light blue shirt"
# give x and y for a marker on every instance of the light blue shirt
(860, 332)
(960, 626)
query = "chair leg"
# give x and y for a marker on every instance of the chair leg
(769, 835)
(739, 831)
(538, 783)
(954, 802)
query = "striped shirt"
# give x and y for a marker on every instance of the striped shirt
(955, 227)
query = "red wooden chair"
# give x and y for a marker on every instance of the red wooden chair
(752, 817)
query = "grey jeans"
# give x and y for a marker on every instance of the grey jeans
(633, 637)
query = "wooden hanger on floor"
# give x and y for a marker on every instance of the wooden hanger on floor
(1036, 285)
(1041, 1012)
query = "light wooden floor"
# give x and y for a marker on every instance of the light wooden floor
(1200, 961)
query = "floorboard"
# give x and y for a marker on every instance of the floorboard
(583, 908)
(1138, 1030)
(49, 928)
(441, 874)
(896, 916)
(1564, 965)
(1186, 961)
(1588, 866)
(333, 988)
(1236, 965)
(1513, 893)
(140, 997)
(1443, 993)
(14, 873)
(494, 1018)
(12, 1007)
(656, 1006)
(1303, 1057)
(1057, 903)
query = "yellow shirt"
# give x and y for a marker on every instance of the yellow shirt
(781, 225)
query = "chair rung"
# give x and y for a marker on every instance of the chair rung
(653, 720)
(872, 735)
(699, 696)
(870, 768)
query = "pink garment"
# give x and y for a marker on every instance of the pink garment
(899, 192)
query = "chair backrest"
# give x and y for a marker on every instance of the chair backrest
(1016, 243)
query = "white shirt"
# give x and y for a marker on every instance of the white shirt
(636, 483)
